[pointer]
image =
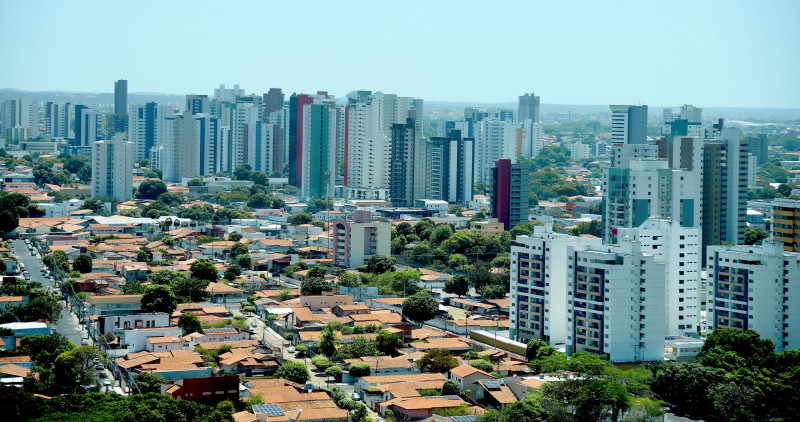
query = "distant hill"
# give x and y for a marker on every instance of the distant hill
(91, 98)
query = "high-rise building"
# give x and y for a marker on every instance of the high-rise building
(628, 124)
(725, 188)
(121, 97)
(90, 128)
(356, 241)
(295, 145)
(529, 139)
(273, 101)
(528, 108)
(145, 127)
(759, 146)
(756, 288)
(402, 161)
(227, 95)
(649, 188)
(319, 150)
(198, 104)
(449, 168)
(510, 193)
(615, 302)
(112, 168)
(188, 146)
(538, 308)
(786, 223)
(494, 140)
(680, 247)
(264, 147)
(20, 118)
(58, 119)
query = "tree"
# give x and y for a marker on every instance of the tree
(235, 236)
(731, 349)
(294, 372)
(82, 263)
(532, 350)
(317, 271)
(451, 388)
(166, 277)
(483, 366)
(171, 198)
(493, 291)
(142, 256)
(437, 360)
(242, 172)
(404, 229)
(44, 349)
(686, 384)
(359, 370)
(159, 298)
(420, 307)
(457, 260)
(300, 218)
(156, 209)
(204, 269)
(195, 182)
(379, 264)
(458, 285)
(327, 341)
(151, 189)
(439, 234)
(387, 342)
(754, 236)
(348, 280)
(334, 372)
(313, 286)
(189, 289)
(244, 261)
(149, 383)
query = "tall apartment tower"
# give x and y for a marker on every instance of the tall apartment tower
(510, 193)
(112, 168)
(318, 160)
(528, 108)
(58, 119)
(198, 104)
(188, 146)
(529, 139)
(449, 168)
(295, 144)
(538, 308)
(759, 147)
(725, 188)
(20, 118)
(786, 223)
(401, 169)
(273, 101)
(615, 302)
(628, 124)
(145, 126)
(264, 148)
(119, 121)
(680, 247)
(355, 241)
(494, 140)
(756, 287)
(89, 128)
(227, 95)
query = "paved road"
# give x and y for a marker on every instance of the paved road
(67, 325)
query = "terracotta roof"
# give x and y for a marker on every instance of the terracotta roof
(387, 379)
(466, 370)
(161, 340)
(503, 395)
(14, 370)
(421, 403)
(7, 299)
(443, 343)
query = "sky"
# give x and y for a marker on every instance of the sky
(707, 53)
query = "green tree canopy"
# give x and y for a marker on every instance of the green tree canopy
(379, 264)
(294, 372)
(327, 341)
(458, 285)
(151, 189)
(313, 286)
(149, 383)
(82, 263)
(420, 307)
(437, 360)
(158, 298)
(387, 342)
(204, 269)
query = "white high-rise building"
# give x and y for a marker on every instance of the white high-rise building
(649, 188)
(580, 151)
(112, 168)
(58, 119)
(615, 302)
(494, 140)
(529, 138)
(20, 118)
(264, 147)
(756, 287)
(680, 247)
(91, 128)
(539, 284)
(227, 95)
(146, 126)
(628, 124)
(188, 146)
(241, 115)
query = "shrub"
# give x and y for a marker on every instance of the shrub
(360, 370)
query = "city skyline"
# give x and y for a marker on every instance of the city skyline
(703, 58)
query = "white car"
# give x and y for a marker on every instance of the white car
(85, 342)
(106, 382)
(291, 349)
(253, 324)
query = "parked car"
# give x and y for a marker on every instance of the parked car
(102, 375)
(99, 367)
(253, 324)
(106, 382)
(84, 342)
(291, 349)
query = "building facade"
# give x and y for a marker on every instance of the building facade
(786, 223)
(628, 124)
(357, 240)
(510, 193)
(112, 169)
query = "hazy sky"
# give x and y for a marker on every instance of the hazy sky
(707, 53)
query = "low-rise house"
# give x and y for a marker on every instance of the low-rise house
(468, 376)
(221, 292)
(420, 407)
(204, 389)
(163, 343)
(456, 345)
(114, 304)
(134, 271)
(8, 301)
(224, 335)
(373, 381)
(325, 300)
(494, 393)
